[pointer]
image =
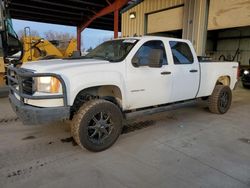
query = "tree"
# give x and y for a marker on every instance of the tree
(33, 33)
(89, 49)
(62, 37)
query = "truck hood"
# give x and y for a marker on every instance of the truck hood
(57, 65)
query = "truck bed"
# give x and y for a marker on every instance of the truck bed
(212, 71)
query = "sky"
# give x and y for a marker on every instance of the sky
(90, 37)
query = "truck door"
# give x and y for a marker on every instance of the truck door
(185, 71)
(148, 86)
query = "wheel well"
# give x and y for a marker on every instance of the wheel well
(110, 93)
(223, 80)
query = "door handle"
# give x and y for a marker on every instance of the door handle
(193, 70)
(165, 73)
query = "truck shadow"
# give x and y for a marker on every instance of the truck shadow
(127, 128)
(133, 126)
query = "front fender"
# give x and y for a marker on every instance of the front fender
(78, 83)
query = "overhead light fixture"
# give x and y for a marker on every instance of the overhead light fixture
(132, 15)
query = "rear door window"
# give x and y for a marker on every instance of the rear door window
(181, 53)
(144, 52)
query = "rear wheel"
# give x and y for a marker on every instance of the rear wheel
(220, 100)
(97, 125)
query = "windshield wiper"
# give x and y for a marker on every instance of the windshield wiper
(92, 57)
(102, 58)
(78, 57)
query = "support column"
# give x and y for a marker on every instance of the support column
(78, 36)
(195, 24)
(201, 22)
(188, 19)
(116, 23)
(114, 7)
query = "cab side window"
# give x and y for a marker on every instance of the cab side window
(143, 53)
(181, 53)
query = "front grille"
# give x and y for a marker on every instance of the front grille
(28, 86)
(21, 82)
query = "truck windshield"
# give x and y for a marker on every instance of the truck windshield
(113, 51)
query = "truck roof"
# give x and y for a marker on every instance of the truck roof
(153, 38)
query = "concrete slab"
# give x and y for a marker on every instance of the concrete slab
(188, 147)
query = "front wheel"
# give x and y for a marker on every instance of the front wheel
(220, 100)
(97, 125)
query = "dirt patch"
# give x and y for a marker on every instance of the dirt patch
(137, 126)
(69, 139)
(28, 138)
(26, 170)
(245, 140)
(7, 120)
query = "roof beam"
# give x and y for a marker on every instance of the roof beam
(59, 4)
(45, 14)
(44, 20)
(106, 18)
(88, 3)
(43, 8)
(116, 5)
(96, 24)
(103, 23)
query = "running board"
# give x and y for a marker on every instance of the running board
(154, 110)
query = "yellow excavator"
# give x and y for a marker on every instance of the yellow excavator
(36, 48)
(13, 51)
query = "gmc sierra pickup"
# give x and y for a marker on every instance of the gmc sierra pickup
(122, 78)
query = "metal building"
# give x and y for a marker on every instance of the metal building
(217, 28)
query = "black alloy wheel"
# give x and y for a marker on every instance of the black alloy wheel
(100, 127)
(97, 125)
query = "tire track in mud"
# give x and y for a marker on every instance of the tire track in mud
(22, 172)
(8, 120)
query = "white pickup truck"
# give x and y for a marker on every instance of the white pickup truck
(119, 79)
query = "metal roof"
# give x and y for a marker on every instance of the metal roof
(131, 5)
(64, 12)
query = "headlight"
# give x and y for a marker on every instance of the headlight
(48, 85)
(246, 72)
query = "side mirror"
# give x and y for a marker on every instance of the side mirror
(14, 47)
(155, 58)
(136, 61)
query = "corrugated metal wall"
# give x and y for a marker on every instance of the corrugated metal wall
(228, 14)
(222, 14)
(227, 47)
(163, 21)
(136, 26)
